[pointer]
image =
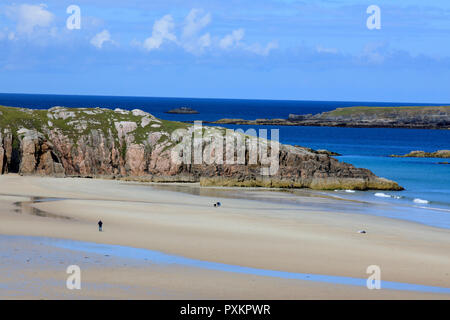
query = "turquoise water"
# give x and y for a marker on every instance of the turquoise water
(425, 181)
(426, 198)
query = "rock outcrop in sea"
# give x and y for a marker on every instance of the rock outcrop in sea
(135, 145)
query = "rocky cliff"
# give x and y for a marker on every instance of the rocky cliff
(136, 145)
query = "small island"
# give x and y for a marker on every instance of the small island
(183, 110)
(423, 154)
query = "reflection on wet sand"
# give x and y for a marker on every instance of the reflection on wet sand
(26, 207)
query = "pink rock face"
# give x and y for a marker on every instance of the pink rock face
(48, 166)
(34, 156)
(136, 160)
(118, 148)
(124, 129)
(28, 161)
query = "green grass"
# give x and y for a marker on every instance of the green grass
(15, 117)
(383, 110)
(101, 120)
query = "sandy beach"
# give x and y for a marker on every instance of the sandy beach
(264, 230)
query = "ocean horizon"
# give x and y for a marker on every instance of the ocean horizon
(210, 109)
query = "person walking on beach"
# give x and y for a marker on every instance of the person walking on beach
(100, 225)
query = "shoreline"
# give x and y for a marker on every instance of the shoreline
(311, 199)
(248, 233)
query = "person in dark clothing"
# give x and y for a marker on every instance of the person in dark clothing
(100, 225)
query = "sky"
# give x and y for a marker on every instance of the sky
(246, 49)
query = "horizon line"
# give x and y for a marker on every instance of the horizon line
(221, 98)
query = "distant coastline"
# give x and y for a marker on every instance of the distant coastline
(414, 117)
(422, 154)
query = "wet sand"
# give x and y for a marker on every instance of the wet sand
(264, 233)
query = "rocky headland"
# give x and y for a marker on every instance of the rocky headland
(134, 145)
(428, 117)
(423, 154)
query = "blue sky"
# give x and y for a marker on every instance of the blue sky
(262, 49)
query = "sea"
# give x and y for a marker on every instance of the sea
(426, 198)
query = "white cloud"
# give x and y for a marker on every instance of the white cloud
(194, 22)
(375, 52)
(260, 50)
(29, 17)
(205, 40)
(233, 39)
(193, 41)
(100, 38)
(198, 45)
(162, 30)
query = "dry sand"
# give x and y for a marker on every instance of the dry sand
(253, 233)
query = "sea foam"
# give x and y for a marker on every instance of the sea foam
(417, 200)
(382, 195)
